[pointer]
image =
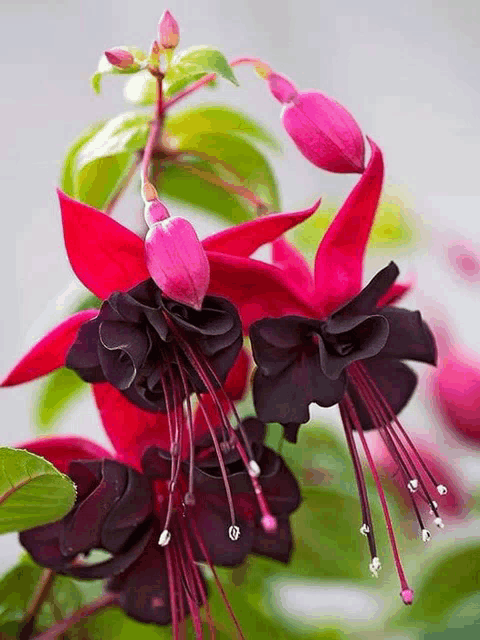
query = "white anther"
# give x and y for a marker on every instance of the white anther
(434, 505)
(165, 538)
(426, 535)
(364, 529)
(412, 485)
(254, 469)
(375, 566)
(439, 523)
(234, 532)
(442, 489)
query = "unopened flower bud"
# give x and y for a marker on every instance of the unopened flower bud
(155, 212)
(120, 58)
(168, 31)
(177, 262)
(324, 131)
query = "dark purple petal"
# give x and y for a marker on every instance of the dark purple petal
(278, 546)
(125, 349)
(395, 380)
(212, 523)
(278, 483)
(285, 397)
(366, 338)
(83, 355)
(143, 588)
(410, 337)
(42, 543)
(114, 565)
(365, 303)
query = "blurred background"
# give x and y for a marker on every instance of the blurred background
(407, 71)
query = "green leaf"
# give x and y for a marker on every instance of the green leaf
(105, 68)
(69, 164)
(194, 63)
(235, 160)
(180, 185)
(454, 577)
(57, 393)
(32, 491)
(141, 89)
(126, 132)
(218, 119)
(113, 624)
(98, 181)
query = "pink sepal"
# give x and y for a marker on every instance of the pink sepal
(395, 293)
(236, 383)
(61, 450)
(130, 429)
(50, 352)
(177, 261)
(339, 259)
(244, 239)
(293, 265)
(257, 289)
(105, 255)
(325, 133)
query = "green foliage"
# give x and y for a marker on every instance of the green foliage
(32, 491)
(192, 64)
(453, 577)
(105, 68)
(141, 89)
(218, 119)
(57, 393)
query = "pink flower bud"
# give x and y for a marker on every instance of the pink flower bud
(168, 31)
(177, 261)
(456, 389)
(120, 58)
(322, 129)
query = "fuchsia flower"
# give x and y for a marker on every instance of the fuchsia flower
(147, 352)
(168, 31)
(323, 131)
(324, 339)
(158, 515)
(120, 58)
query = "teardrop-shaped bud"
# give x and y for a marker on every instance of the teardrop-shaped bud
(120, 58)
(177, 261)
(168, 31)
(324, 132)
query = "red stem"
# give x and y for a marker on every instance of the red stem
(107, 600)
(155, 129)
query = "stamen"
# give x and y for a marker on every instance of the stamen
(412, 485)
(189, 499)
(375, 566)
(364, 529)
(407, 596)
(253, 469)
(434, 506)
(439, 523)
(269, 524)
(174, 593)
(355, 420)
(234, 532)
(442, 489)
(164, 538)
(426, 535)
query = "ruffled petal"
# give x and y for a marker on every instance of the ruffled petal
(50, 352)
(62, 450)
(131, 430)
(244, 239)
(105, 255)
(339, 259)
(409, 337)
(257, 289)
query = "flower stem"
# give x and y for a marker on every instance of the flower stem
(41, 592)
(107, 600)
(211, 76)
(155, 128)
